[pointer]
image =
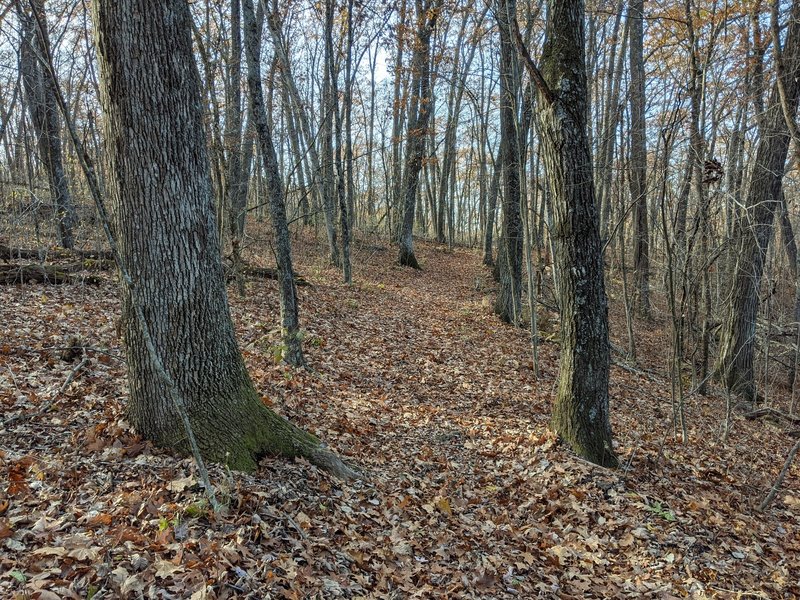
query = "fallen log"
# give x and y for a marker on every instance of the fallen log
(44, 274)
(262, 273)
(772, 413)
(9, 253)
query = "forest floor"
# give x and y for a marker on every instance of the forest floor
(466, 492)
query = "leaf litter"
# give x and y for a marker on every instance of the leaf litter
(467, 494)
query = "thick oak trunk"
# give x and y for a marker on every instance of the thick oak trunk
(163, 217)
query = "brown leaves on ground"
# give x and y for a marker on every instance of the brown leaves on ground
(468, 495)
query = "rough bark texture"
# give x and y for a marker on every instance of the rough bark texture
(163, 216)
(755, 226)
(581, 413)
(417, 126)
(282, 58)
(638, 179)
(41, 100)
(330, 105)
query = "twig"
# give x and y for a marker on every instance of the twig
(47, 405)
(71, 376)
(13, 377)
(779, 481)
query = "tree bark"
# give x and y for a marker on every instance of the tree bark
(290, 320)
(163, 216)
(755, 225)
(581, 413)
(491, 211)
(508, 303)
(330, 108)
(638, 164)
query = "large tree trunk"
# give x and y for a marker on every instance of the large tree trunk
(41, 100)
(417, 126)
(755, 226)
(581, 414)
(163, 217)
(507, 305)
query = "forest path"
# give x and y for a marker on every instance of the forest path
(412, 378)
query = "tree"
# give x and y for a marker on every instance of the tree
(237, 170)
(754, 228)
(290, 320)
(43, 108)
(581, 413)
(509, 260)
(163, 219)
(638, 179)
(419, 115)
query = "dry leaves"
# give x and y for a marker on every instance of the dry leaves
(468, 493)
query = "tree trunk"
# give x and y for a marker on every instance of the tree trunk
(398, 118)
(581, 413)
(41, 100)
(235, 176)
(343, 157)
(290, 322)
(507, 305)
(330, 105)
(638, 165)
(491, 211)
(163, 215)
(417, 125)
(755, 226)
(305, 128)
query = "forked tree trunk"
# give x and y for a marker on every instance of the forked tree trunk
(163, 216)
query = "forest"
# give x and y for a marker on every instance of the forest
(399, 299)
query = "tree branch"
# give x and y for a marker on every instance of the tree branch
(533, 70)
